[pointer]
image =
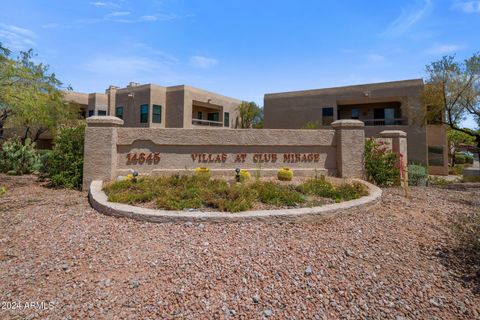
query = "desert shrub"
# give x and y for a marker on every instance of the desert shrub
(350, 191)
(203, 172)
(460, 158)
(275, 194)
(17, 158)
(285, 174)
(381, 164)
(44, 157)
(417, 175)
(439, 181)
(322, 188)
(181, 192)
(64, 165)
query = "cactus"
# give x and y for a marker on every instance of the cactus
(285, 174)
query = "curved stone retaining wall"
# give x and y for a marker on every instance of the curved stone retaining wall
(99, 202)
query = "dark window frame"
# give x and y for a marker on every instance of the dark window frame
(226, 119)
(144, 115)
(214, 115)
(117, 113)
(355, 113)
(156, 116)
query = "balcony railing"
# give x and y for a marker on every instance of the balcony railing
(385, 122)
(208, 123)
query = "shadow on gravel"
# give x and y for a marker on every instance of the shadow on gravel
(463, 256)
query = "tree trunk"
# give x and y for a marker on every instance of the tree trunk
(25, 136)
(38, 134)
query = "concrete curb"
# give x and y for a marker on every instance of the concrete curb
(99, 201)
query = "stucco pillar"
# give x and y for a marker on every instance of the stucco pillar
(111, 97)
(350, 138)
(399, 145)
(399, 142)
(100, 152)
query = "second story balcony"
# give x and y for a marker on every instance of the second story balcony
(207, 123)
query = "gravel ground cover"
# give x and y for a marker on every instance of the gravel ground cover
(389, 262)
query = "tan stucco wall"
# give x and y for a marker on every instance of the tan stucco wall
(294, 109)
(437, 136)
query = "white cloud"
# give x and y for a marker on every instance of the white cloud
(203, 62)
(375, 57)
(16, 38)
(148, 18)
(408, 18)
(118, 14)
(102, 4)
(467, 6)
(119, 70)
(444, 49)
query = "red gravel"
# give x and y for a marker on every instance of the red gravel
(386, 262)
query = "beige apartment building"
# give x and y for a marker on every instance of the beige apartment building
(154, 106)
(383, 106)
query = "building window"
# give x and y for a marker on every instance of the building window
(157, 114)
(119, 112)
(327, 116)
(144, 113)
(355, 113)
(435, 156)
(91, 113)
(213, 116)
(102, 112)
(199, 115)
(226, 119)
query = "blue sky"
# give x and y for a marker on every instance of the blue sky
(240, 48)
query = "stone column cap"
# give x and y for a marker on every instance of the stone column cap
(348, 124)
(393, 134)
(104, 121)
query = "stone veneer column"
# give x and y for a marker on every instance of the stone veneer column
(100, 154)
(399, 144)
(350, 137)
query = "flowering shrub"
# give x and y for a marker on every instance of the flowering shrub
(381, 164)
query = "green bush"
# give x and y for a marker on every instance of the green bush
(17, 158)
(381, 164)
(417, 175)
(460, 158)
(322, 188)
(64, 165)
(3, 191)
(468, 159)
(44, 157)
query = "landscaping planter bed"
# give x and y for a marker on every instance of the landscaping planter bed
(200, 192)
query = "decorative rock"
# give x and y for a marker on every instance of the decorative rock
(348, 253)
(136, 283)
(308, 271)
(267, 313)
(436, 302)
(256, 298)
